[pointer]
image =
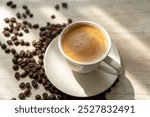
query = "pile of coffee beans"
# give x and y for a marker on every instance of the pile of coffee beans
(25, 59)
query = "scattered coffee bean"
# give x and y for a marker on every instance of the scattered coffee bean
(13, 6)
(53, 16)
(11, 24)
(6, 20)
(26, 69)
(25, 29)
(15, 60)
(13, 51)
(31, 15)
(21, 53)
(21, 96)
(28, 12)
(69, 20)
(9, 42)
(15, 67)
(27, 92)
(16, 42)
(6, 33)
(20, 34)
(22, 85)
(28, 86)
(31, 74)
(44, 81)
(18, 15)
(6, 28)
(51, 97)
(29, 25)
(33, 69)
(38, 97)
(35, 26)
(7, 50)
(23, 74)
(25, 22)
(24, 15)
(13, 38)
(13, 99)
(17, 75)
(9, 3)
(25, 7)
(39, 79)
(16, 55)
(59, 97)
(64, 5)
(3, 46)
(57, 6)
(45, 96)
(40, 61)
(26, 43)
(15, 32)
(34, 84)
(13, 19)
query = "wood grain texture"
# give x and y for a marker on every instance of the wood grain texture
(127, 21)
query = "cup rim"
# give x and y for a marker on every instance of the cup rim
(98, 26)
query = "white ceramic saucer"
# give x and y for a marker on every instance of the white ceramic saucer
(72, 83)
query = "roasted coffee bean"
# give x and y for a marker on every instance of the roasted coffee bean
(13, 51)
(11, 24)
(13, 6)
(7, 50)
(31, 15)
(15, 60)
(41, 72)
(6, 33)
(37, 66)
(20, 34)
(21, 53)
(51, 97)
(25, 22)
(24, 7)
(21, 96)
(46, 86)
(51, 90)
(27, 92)
(24, 15)
(35, 75)
(9, 42)
(28, 12)
(6, 20)
(34, 42)
(11, 29)
(64, 5)
(42, 28)
(59, 97)
(23, 74)
(38, 52)
(53, 16)
(39, 79)
(13, 38)
(15, 67)
(16, 55)
(34, 84)
(31, 74)
(21, 42)
(15, 32)
(30, 64)
(29, 54)
(38, 97)
(48, 23)
(17, 75)
(27, 85)
(29, 25)
(26, 43)
(40, 61)
(44, 81)
(69, 20)
(9, 3)
(41, 56)
(35, 26)
(32, 60)
(27, 60)
(6, 28)
(33, 69)
(45, 96)
(22, 85)
(18, 15)
(16, 42)
(57, 6)
(26, 69)
(3, 46)
(13, 98)
(12, 19)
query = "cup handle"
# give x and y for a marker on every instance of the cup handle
(115, 68)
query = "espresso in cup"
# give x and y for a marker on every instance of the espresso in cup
(84, 43)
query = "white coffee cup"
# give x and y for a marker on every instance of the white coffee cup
(91, 66)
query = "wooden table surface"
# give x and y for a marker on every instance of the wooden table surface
(127, 21)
